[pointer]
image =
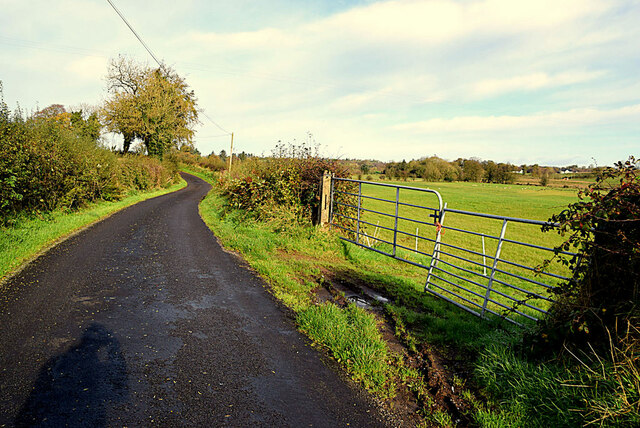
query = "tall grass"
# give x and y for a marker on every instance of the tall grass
(353, 339)
(585, 390)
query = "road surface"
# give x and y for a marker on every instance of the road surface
(143, 319)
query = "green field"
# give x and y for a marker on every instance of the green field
(464, 262)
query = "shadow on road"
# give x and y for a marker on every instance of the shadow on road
(74, 388)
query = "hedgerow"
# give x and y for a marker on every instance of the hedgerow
(283, 187)
(603, 229)
(212, 162)
(49, 161)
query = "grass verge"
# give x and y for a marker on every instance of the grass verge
(31, 236)
(301, 263)
(202, 173)
(291, 259)
(456, 369)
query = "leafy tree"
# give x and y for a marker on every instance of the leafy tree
(190, 149)
(472, 170)
(498, 173)
(122, 115)
(83, 124)
(154, 105)
(88, 126)
(544, 179)
(404, 170)
(391, 170)
(535, 170)
(55, 113)
(431, 171)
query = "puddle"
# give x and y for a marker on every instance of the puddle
(374, 295)
(359, 301)
(358, 294)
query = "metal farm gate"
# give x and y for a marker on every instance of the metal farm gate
(486, 264)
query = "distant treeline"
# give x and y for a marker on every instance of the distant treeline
(215, 162)
(473, 169)
(436, 169)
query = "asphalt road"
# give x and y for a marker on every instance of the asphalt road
(143, 320)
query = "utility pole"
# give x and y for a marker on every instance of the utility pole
(231, 154)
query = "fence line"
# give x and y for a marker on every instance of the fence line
(516, 290)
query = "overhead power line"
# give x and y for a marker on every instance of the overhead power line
(72, 50)
(212, 121)
(213, 136)
(135, 33)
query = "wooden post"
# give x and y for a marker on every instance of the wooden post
(231, 154)
(325, 199)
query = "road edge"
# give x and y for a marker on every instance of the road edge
(50, 245)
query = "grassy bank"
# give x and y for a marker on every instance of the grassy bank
(455, 368)
(30, 236)
(304, 265)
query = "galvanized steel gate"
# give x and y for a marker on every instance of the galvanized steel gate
(501, 281)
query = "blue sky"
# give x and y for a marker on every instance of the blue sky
(549, 82)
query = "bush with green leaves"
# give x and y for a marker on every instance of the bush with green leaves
(50, 160)
(603, 229)
(285, 185)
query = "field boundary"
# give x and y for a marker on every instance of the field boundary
(486, 283)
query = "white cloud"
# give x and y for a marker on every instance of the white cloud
(532, 81)
(363, 55)
(543, 121)
(88, 67)
(250, 40)
(399, 89)
(435, 21)
(361, 79)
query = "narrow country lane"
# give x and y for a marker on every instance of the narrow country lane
(143, 320)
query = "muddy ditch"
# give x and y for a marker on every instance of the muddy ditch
(442, 369)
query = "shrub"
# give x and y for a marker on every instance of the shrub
(286, 183)
(50, 161)
(141, 173)
(604, 230)
(544, 180)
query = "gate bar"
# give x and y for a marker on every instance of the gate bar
(495, 263)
